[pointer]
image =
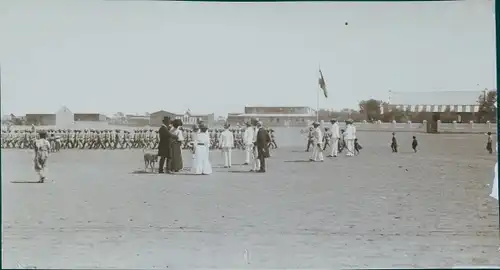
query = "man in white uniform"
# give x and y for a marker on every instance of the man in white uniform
(226, 143)
(349, 137)
(248, 140)
(317, 154)
(334, 143)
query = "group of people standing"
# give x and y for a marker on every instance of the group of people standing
(334, 137)
(256, 140)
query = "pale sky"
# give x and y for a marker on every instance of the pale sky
(136, 56)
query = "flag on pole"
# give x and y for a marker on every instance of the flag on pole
(322, 83)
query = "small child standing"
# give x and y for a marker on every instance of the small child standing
(42, 149)
(414, 144)
(394, 143)
(489, 143)
(357, 147)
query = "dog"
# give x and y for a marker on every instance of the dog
(150, 160)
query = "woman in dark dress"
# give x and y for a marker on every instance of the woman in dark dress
(177, 163)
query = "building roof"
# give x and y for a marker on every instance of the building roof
(40, 114)
(89, 113)
(431, 108)
(138, 117)
(435, 98)
(64, 109)
(162, 112)
(249, 106)
(256, 115)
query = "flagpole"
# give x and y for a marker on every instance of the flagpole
(317, 99)
(317, 105)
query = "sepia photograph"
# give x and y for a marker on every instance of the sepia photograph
(143, 134)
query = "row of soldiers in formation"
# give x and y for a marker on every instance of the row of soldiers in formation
(111, 139)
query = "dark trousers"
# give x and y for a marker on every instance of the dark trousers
(394, 148)
(309, 144)
(262, 159)
(326, 144)
(489, 147)
(162, 164)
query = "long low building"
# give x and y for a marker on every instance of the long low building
(460, 106)
(40, 119)
(188, 118)
(431, 108)
(274, 116)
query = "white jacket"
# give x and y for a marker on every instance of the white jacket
(255, 132)
(317, 135)
(248, 137)
(350, 132)
(335, 131)
(226, 139)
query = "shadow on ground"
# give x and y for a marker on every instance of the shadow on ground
(144, 172)
(26, 182)
(241, 171)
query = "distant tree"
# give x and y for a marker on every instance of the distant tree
(370, 108)
(394, 114)
(487, 109)
(118, 118)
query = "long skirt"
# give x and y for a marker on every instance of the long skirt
(201, 161)
(176, 164)
(494, 190)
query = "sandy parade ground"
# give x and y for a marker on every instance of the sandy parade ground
(99, 210)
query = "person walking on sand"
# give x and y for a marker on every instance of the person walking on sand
(42, 149)
(334, 144)
(226, 144)
(248, 141)
(201, 146)
(317, 153)
(177, 163)
(262, 143)
(165, 146)
(349, 137)
(489, 143)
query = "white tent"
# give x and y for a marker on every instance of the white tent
(64, 118)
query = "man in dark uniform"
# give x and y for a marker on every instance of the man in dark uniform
(164, 146)
(262, 142)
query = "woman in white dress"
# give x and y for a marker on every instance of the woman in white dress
(201, 161)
